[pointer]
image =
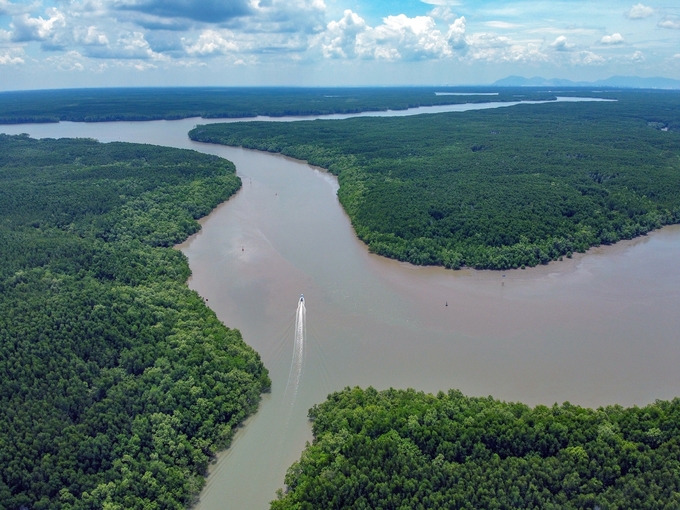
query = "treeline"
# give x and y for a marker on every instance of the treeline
(493, 189)
(141, 104)
(118, 383)
(401, 449)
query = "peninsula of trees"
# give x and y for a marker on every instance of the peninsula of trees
(494, 189)
(139, 104)
(402, 449)
(118, 383)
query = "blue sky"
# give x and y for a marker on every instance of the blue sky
(81, 43)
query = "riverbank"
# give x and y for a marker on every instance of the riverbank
(488, 189)
(596, 329)
(603, 333)
(113, 368)
(563, 266)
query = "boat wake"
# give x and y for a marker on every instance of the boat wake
(298, 353)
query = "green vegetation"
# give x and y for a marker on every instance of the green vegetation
(407, 450)
(97, 105)
(497, 188)
(118, 383)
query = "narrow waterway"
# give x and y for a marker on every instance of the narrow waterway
(598, 329)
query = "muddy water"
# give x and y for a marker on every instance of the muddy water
(598, 329)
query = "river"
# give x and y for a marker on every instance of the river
(598, 329)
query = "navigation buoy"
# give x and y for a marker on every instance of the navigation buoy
(447, 304)
(242, 248)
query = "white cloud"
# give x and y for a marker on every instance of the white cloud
(128, 46)
(207, 11)
(69, 61)
(561, 44)
(11, 56)
(96, 8)
(443, 12)
(612, 39)
(587, 58)
(177, 34)
(398, 38)
(27, 29)
(212, 42)
(244, 16)
(186, 64)
(200, 28)
(341, 36)
(143, 66)
(456, 34)
(670, 23)
(12, 9)
(489, 40)
(494, 48)
(286, 17)
(639, 11)
(562, 31)
(441, 2)
(500, 24)
(263, 27)
(134, 45)
(407, 38)
(90, 36)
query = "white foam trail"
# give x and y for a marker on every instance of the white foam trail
(298, 354)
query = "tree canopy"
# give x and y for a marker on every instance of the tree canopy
(126, 104)
(402, 449)
(118, 383)
(493, 189)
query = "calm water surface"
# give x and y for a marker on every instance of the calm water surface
(600, 329)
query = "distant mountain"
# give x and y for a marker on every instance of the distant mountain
(627, 82)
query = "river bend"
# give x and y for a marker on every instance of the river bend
(599, 329)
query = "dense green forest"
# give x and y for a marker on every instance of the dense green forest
(496, 189)
(98, 105)
(403, 450)
(117, 382)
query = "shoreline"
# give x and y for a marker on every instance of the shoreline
(565, 266)
(553, 268)
(557, 329)
(201, 221)
(366, 112)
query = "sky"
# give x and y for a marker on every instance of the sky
(102, 43)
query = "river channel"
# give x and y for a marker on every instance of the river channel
(601, 328)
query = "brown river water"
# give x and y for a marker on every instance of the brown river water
(599, 329)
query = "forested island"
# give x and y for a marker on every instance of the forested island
(118, 383)
(403, 449)
(141, 104)
(493, 189)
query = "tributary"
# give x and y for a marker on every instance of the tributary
(599, 329)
